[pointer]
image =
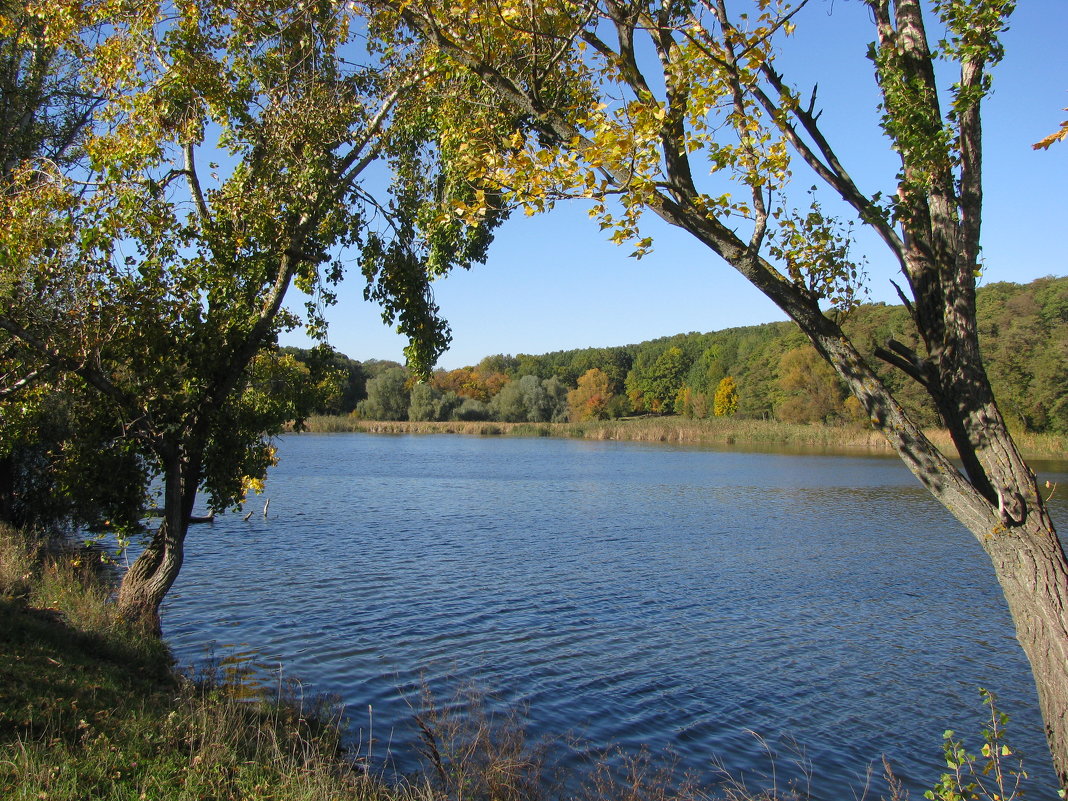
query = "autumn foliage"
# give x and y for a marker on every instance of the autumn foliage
(589, 401)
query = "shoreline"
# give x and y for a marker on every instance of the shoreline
(720, 433)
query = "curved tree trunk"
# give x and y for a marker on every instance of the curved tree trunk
(150, 577)
(152, 574)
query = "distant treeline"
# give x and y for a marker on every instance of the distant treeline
(762, 371)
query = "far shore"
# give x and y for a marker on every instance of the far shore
(719, 432)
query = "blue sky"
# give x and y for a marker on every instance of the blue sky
(554, 282)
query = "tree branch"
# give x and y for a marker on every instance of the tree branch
(829, 168)
(25, 381)
(909, 362)
(971, 171)
(193, 180)
(673, 131)
(54, 358)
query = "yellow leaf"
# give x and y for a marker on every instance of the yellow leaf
(1056, 136)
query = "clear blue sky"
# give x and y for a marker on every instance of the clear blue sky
(554, 282)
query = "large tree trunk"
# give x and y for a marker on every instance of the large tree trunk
(150, 577)
(152, 574)
(1031, 568)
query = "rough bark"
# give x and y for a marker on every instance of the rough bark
(1030, 566)
(152, 574)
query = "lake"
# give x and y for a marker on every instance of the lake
(625, 594)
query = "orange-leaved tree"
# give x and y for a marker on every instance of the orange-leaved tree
(590, 399)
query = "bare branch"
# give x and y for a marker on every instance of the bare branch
(356, 160)
(909, 362)
(193, 180)
(59, 360)
(825, 163)
(740, 114)
(971, 171)
(27, 380)
(673, 132)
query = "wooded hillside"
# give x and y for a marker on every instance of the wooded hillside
(775, 372)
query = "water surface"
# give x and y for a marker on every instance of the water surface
(680, 598)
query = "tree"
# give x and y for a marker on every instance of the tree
(168, 275)
(509, 405)
(498, 363)
(422, 404)
(539, 405)
(427, 403)
(53, 437)
(530, 400)
(710, 142)
(388, 396)
(613, 362)
(725, 402)
(44, 106)
(477, 383)
(45, 114)
(664, 380)
(654, 381)
(472, 410)
(813, 393)
(557, 409)
(349, 376)
(590, 399)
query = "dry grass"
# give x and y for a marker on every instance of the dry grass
(470, 752)
(719, 432)
(19, 556)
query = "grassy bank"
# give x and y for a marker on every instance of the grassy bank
(719, 432)
(91, 709)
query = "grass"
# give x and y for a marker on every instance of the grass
(91, 709)
(718, 432)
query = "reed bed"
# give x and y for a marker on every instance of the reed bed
(719, 432)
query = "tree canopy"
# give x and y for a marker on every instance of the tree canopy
(226, 165)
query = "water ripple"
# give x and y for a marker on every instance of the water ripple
(679, 598)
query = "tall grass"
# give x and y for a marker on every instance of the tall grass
(719, 432)
(19, 557)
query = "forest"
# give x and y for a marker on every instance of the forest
(763, 372)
